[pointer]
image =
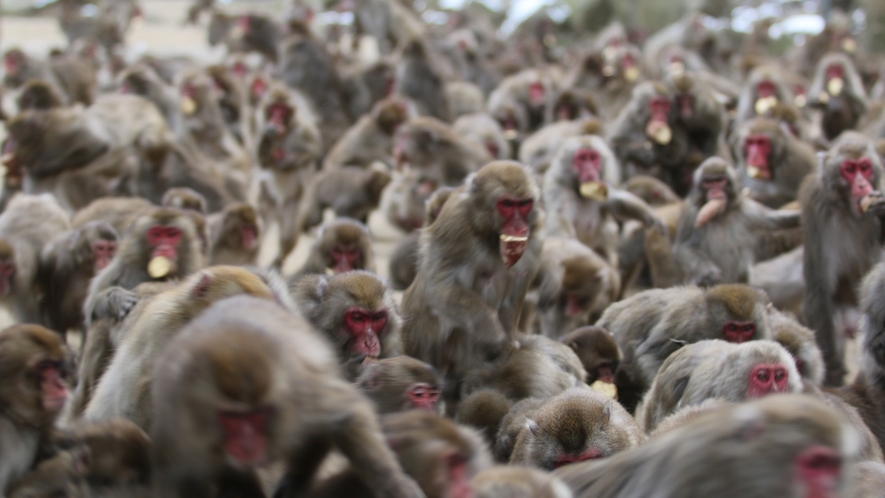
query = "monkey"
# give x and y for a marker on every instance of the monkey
(81, 154)
(249, 32)
(143, 79)
(701, 115)
(570, 104)
(35, 377)
(404, 260)
(235, 235)
(868, 478)
(865, 392)
(719, 229)
(435, 149)
(483, 130)
(366, 85)
(342, 245)
(609, 75)
(185, 199)
(39, 95)
(838, 92)
(583, 199)
(438, 454)
(574, 426)
(350, 191)
(574, 286)
(472, 60)
(800, 442)
(464, 99)
(21, 240)
(418, 80)
(841, 206)
(355, 311)
(67, 75)
(307, 66)
(771, 162)
(401, 383)
(597, 350)
(654, 192)
(371, 138)
(161, 244)
(125, 388)
(799, 342)
(514, 481)
(652, 325)
(647, 139)
(57, 476)
(538, 149)
(466, 299)
(721, 370)
(67, 264)
(232, 101)
(686, 415)
(763, 90)
(119, 212)
(528, 92)
(484, 410)
(289, 367)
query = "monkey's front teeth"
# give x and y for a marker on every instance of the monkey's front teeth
(513, 238)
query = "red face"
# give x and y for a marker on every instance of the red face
(239, 69)
(458, 477)
(590, 454)
(345, 258)
(248, 236)
(103, 252)
(493, 148)
(817, 472)
(423, 396)
(164, 241)
(835, 71)
(188, 90)
(686, 105)
(258, 87)
(243, 23)
(7, 272)
(364, 328)
(757, 149)
(765, 89)
(52, 386)
(514, 227)
(587, 164)
(738, 332)
(245, 435)
(660, 108)
(605, 373)
(858, 173)
(715, 189)
(10, 64)
(767, 378)
(574, 305)
(537, 94)
(278, 115)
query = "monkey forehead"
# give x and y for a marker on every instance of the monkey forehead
(682, 82)
(510, 176)
(227, 280)
(365, 288)
(855, 146)
(596, 339)
(30, 339)
(739, 300)
(799, 411)
(714, 166)
(762, 126)
(344, 230)
(242, 210)
(580, 272)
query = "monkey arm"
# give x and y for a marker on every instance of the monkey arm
(665, 269)
(626, 206)
(818, 307)
(763, 217)
(465, 308)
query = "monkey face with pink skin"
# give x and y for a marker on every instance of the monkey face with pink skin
(853, 170)
(714, 188)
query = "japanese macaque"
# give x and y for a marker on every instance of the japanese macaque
(366, 85)
(391, 23)
(27, 226)
(60, 475)
(718, 231)
(401, 383)
(67, 75)
(484, 130)
(799, 342)
(307, 66)
(800, 442)
(404, 202)
(529, 92)
(868, 479)
(464, 99)
(355, 311)
(701, 114)
(349, 191)
(67, 265)
(841, 208)
(570, 104)
(763, 90)
(342, 245)
(578, 425)
(33, 389)
(125, 388)
(82, 154)
(162, 244)
(404, 260)
(232, 101)
(119, 212)
(771, 161)
(574, 286)
(538, 149)
(185, 199)
(245, 378)
(476, 262)
(654, 192)
(720, 370)
(39, 95)
(288, 151)
(246, 33)
(514, 481)
(142, 79)
(418, 80)
(235, 235)
(652, 325)
(583, 199)
(434, 148)
(371, 138)
(598, 352)
(647, 139)
(838, 92)
(610, 75)
(866, 392)
(438, 454)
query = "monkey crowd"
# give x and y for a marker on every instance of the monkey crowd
(630, 265)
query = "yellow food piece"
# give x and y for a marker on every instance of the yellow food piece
(159, 267)
(605, 388)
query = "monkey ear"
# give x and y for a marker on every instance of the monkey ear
(573, 345)
(532, 426)
(201, 289)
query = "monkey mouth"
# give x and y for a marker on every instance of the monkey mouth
(513, 238)
(512, 247)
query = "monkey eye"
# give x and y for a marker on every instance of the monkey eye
(356, 316)
(850, 168)
(779, 375)
(749, 327)
(763, 375)
(731, 327)
(526, 203)
(507, 203)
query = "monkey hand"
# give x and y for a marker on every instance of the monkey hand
(114, 302)
(652, 222)
(876, 206)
